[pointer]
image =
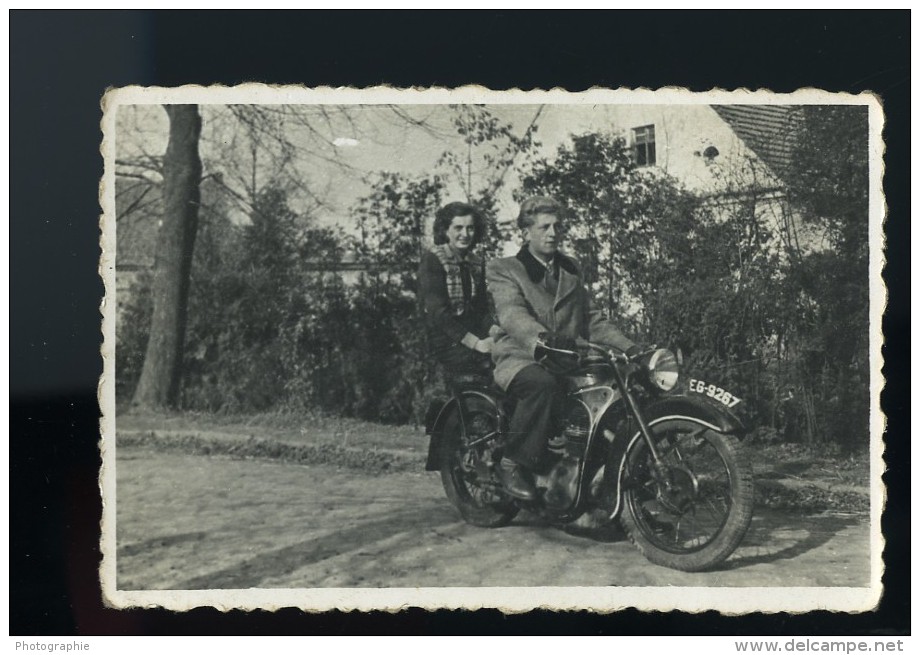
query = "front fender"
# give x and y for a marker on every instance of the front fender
(719, 418)
(695, 409)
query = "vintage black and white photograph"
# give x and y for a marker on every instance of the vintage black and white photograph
(381, 348)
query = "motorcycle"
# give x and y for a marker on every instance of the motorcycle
(665, 459)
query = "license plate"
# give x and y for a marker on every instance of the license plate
(716, 393)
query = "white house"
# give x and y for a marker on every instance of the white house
(728, 154)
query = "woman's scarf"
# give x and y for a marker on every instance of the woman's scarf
(456, 268)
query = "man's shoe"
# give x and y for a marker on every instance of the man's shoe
(516, 480)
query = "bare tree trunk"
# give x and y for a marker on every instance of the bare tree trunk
(158, 386)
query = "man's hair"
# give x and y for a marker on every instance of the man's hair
(535, 205)
(445, 216)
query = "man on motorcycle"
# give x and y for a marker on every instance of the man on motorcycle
(539, 295)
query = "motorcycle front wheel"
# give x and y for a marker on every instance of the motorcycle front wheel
(692, 510)
(467, 456)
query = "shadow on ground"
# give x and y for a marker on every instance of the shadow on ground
(819, 529)
(285, 560)
(776, 531)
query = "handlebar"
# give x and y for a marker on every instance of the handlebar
(612, 352)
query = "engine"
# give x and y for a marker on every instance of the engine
(576, 429)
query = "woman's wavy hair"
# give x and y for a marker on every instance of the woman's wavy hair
(445, 216)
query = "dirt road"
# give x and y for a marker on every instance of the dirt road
(199, 522)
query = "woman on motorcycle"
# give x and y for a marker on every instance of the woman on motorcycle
(452, 291)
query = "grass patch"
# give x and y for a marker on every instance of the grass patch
(368, 461)
(809, 498)
(803, 463)
(290, 427)
(802, 478)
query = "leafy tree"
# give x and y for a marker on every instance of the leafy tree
(392, 220)
(829, 189)
(256, 293)
(667, 266)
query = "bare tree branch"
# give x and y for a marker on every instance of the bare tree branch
(500, 179)
(135, 176)
(134, 205)
(422, 123)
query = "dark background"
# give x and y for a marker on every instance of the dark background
(62, 62)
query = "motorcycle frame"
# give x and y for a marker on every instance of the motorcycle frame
(680, 407)
(598, 415)
(596, 411)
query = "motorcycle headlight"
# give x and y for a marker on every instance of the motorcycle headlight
(663, 369)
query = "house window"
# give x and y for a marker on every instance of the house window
(644, 145)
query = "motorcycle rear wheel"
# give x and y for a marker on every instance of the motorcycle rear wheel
(697, 514)
(479, 500)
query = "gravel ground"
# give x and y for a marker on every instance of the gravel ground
(222, 521)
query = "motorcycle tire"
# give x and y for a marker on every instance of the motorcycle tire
(477, 500)
(700, 516)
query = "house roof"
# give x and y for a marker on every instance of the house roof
(770, 131)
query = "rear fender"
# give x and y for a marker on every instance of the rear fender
(685, 408)
(437, 419)
(435, 407)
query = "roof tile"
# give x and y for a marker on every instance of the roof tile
(770, 131)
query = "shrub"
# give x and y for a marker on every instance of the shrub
(132, 331)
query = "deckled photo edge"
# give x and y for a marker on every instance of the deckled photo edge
(516, 600)
(729, 601)
(106, 389)
(878, 301)
(258, 93)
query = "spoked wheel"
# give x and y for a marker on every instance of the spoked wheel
(692, 511)
(468, 458)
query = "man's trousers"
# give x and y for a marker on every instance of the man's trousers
(539, 398)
